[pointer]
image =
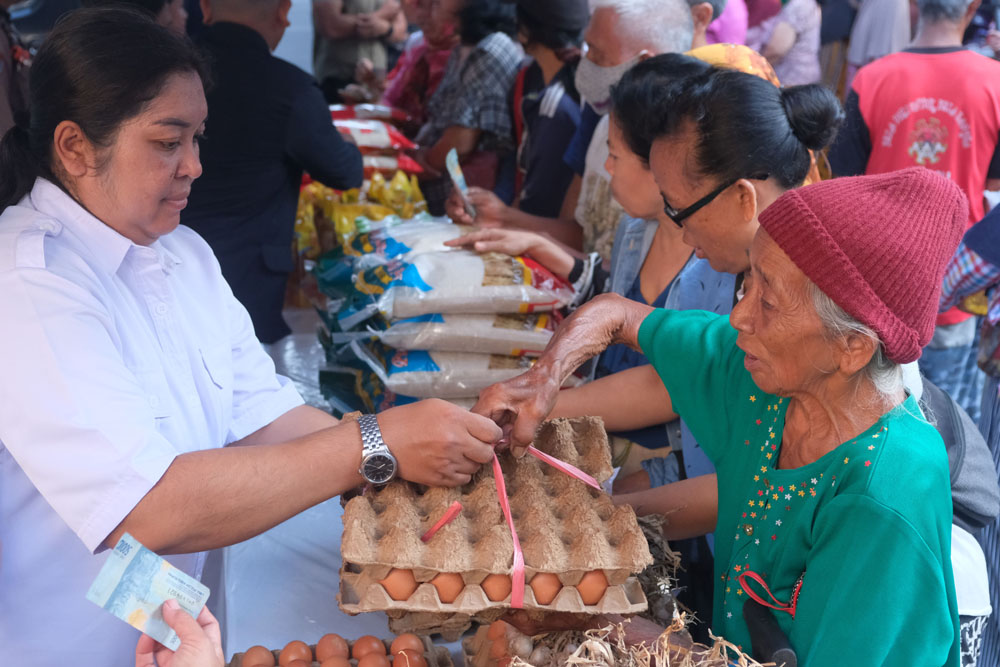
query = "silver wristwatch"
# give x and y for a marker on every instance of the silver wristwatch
(378, 465)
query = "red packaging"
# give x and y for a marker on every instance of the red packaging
(374, 136)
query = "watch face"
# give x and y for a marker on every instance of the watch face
(379, 468)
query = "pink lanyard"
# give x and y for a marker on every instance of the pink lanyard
(788, 608)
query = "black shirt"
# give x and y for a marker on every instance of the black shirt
(267, 122)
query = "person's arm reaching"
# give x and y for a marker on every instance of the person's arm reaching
(216, 497)
(630, 399)
(313, 142)
(519, 405)
(542, 249)
(492, 212)
(691, 506)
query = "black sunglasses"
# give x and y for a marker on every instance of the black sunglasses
(680, 216)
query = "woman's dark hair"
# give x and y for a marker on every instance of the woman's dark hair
(748, 127)
(645, 93)
(565, 43)
(481, 18)
(99, 68)
(152, 7)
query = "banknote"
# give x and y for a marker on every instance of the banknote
(135, 582)
(458, 178)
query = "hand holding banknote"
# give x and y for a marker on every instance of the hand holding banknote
(201, 641)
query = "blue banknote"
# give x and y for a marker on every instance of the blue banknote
(135, 582)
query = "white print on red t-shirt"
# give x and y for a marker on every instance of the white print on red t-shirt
(932, 106)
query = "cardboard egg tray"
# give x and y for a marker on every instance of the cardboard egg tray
(436, 656)
(565, 527)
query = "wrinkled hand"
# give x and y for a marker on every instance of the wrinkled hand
(201, 641)
(519, 406)
(490, 209)
(508, 241)
(437, 443)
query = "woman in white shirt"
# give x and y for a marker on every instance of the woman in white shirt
(128, 366)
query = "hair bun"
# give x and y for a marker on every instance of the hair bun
(814, 114)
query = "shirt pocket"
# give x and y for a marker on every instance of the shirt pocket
(218, 362)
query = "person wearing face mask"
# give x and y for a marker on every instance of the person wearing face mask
(268, 124)
(620, 34)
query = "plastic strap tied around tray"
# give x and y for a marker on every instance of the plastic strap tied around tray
(446, 518)
(517, 573)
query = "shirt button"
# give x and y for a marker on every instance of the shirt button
(748, 529)
(161, 309)
(154, 401)
(47, 226)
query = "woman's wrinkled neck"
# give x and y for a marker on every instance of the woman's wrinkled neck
(821, 418)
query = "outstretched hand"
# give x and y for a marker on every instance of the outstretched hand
(201, 641)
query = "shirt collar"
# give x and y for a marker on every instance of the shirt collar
(107, 247)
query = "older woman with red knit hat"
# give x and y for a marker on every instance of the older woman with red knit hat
(834, 498)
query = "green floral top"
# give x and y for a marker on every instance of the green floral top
(866, 528)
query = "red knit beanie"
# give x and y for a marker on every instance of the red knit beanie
(876, 245)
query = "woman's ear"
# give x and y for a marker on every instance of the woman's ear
(73, 152)
(747, 200)
(855, 353)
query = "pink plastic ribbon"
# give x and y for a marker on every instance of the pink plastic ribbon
(446, 518)
(570, 470)
(517, 574)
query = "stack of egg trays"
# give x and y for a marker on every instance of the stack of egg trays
(565, 527)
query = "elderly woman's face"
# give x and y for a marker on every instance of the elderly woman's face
(786, 348)
(144, 178)
(722, 230)
(632, 183)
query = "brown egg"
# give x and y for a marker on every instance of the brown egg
(545, 586)
(399, 584)
(498, 649)
(365, 645)
(331, 645)
(336, 661)
(374, 660)
(408, 658)
(258, 656)
(449, 586)
(295, 650)
(592, 587)
(497, 587)
(300, 663)
(406, 642)
(497, 630)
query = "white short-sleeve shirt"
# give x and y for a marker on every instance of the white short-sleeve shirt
(114, 359)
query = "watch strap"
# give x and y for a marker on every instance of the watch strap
(371, 435)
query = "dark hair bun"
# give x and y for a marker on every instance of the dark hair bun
(814, 114)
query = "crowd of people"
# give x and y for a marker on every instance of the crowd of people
(790, 281)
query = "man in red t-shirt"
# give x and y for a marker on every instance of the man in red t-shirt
(936, 105)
